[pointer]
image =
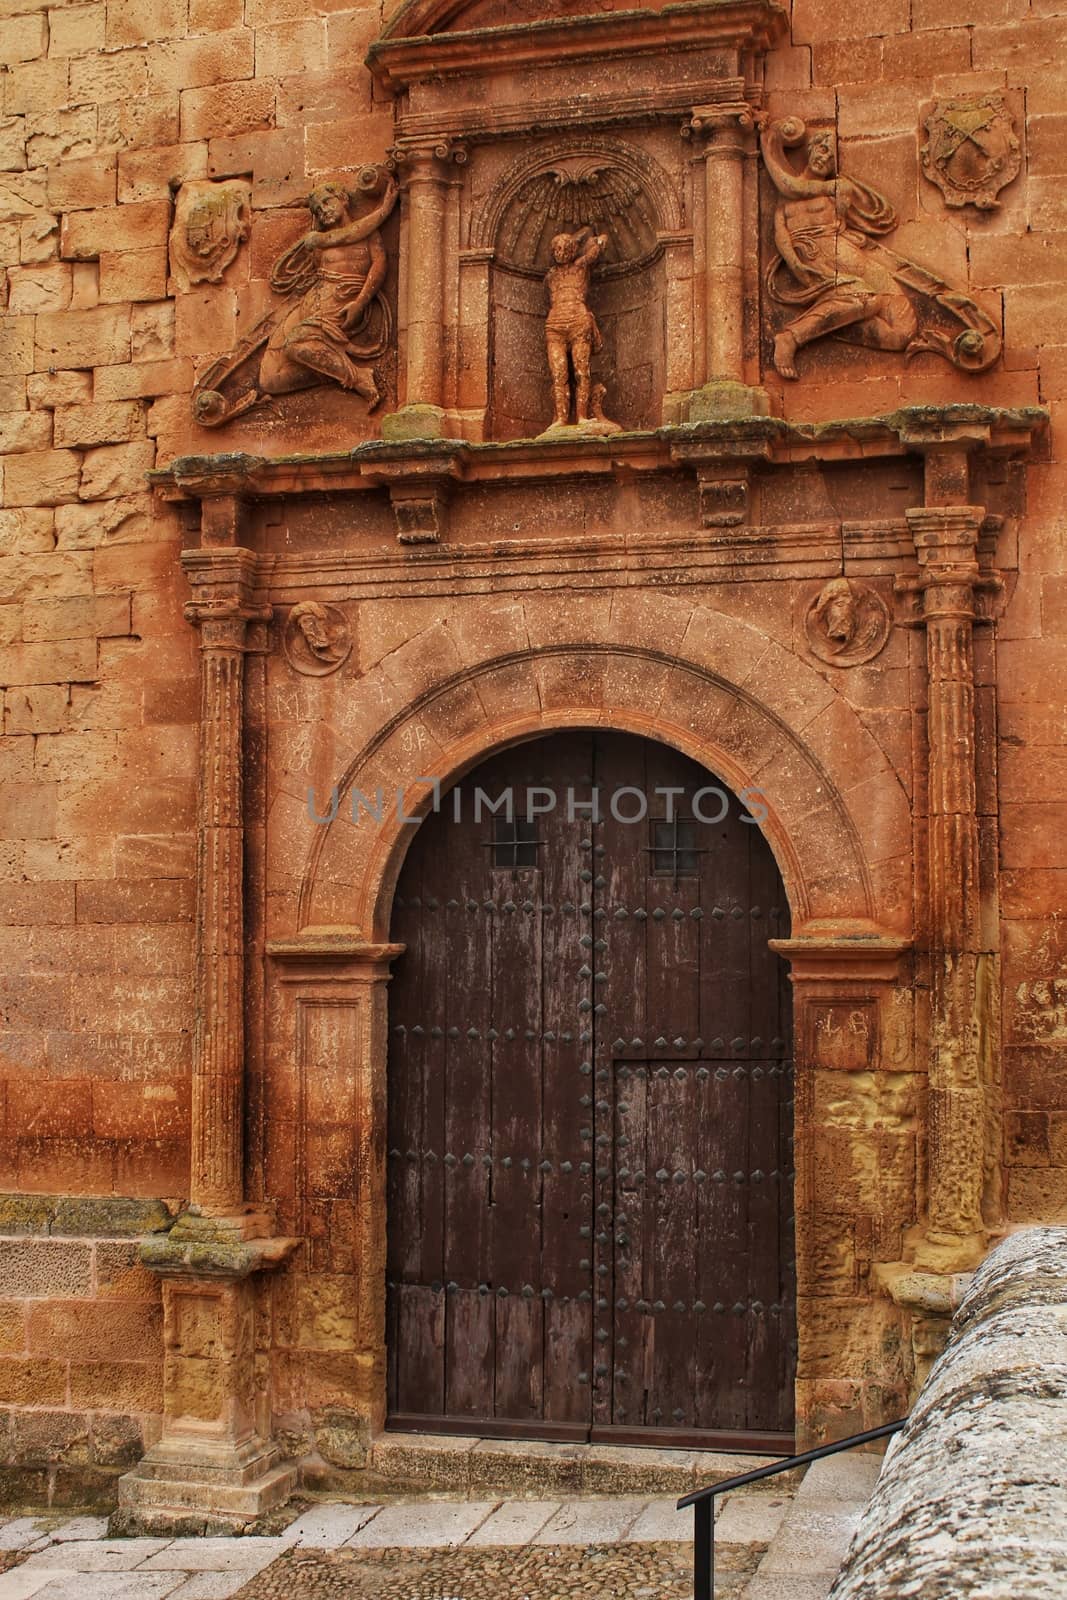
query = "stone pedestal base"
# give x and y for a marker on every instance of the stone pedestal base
(722, 400)
(592, 428)
(415, 422)
(181, 1487)
(215, 1468)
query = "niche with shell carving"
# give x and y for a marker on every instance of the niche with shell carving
(614, 189)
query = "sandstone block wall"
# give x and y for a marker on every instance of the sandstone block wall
(105, 107)
(80, 1345)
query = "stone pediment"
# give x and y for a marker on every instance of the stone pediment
(440, 38)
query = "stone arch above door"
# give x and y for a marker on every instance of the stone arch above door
(719, 690)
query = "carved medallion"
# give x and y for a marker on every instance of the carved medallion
(837, 276)
(847, 623)
(211, 222)
(317, 639)
(972, 151)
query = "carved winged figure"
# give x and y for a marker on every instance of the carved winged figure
(832, 266)
(337, 324)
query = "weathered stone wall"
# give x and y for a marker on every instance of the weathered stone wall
(972, 1499)
(81, 1381)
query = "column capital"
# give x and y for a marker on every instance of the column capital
(723, 124)
(950, 578)
(223, 583)
(431, 159)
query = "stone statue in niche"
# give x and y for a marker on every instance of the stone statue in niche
(837, 277)
(572, 335)
(972, 151)
(211, 222)
(847, 623)
(338, 321)
(317, 639)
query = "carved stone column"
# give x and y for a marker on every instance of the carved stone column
(215, 1466)
(723, 133)
(222, 611)
(962, 999)
(426, 173)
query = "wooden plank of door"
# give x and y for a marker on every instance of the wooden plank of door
(464, 979)
(567, 1084)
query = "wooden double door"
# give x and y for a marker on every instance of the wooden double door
(590, 1108)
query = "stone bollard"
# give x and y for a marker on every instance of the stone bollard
(972, 1499)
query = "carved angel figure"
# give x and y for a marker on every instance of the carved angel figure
(830, 262)
(339, 323)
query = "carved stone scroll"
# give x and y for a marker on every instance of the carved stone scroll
(211, 222)
(835, 276)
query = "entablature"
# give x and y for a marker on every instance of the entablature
(740, 443)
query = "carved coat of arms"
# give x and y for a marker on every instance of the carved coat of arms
(972, 150)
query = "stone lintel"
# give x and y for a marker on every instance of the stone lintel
(331, 955)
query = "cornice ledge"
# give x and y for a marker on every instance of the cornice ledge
(839, 950)
(378, 462)
(333, 945)
(397, 59)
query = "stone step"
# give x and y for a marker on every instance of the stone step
(471, 1468)
(150, 1496)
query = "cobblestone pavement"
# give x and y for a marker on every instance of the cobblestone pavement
(416, 1549)
(544, 1572)
(776, 1546)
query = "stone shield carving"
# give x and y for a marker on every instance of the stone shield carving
(317, 639)
(211, 222)
(847, 623)
(972, 151)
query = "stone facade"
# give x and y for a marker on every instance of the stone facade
(356, 564)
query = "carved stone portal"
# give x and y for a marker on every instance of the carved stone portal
(972, 152)
(833, 272)
(211, 222)
(338, 321)
(847, 623)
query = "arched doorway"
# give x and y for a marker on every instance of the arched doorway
(590, 1107)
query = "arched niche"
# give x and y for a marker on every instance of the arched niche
(561, 186)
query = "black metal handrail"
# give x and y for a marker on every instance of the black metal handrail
(703, 1500)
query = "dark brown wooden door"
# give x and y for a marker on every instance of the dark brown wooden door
(590, 1108)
